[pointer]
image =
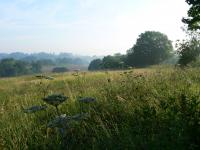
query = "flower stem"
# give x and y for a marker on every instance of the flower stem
(57, 110)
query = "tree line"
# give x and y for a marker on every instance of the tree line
(153, 48)
(11, 67)
(55, 59)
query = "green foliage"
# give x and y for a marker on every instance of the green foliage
(189, 49)
(36, 67)
(172, 60)
(11, 67)
(195, 63)
(112, 62)
(151, 48)
(96, 64)
(193, 19)
(108, 62)
(55, 99)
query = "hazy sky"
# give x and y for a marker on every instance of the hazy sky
(87, 27)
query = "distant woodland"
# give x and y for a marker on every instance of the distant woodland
(15, 64)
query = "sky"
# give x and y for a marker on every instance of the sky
(85, 27)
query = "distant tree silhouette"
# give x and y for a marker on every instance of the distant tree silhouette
(151, 48)
(95, 65)
(11, 67)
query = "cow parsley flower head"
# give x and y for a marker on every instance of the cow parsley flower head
(55, 99)
(87, 100)
(34, 109)
(59, 121)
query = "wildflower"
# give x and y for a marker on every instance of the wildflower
(34, 109)
(119, 98)
(63, 121)
(87, 100)
(55, 99)
(2, 110)
(59, 121)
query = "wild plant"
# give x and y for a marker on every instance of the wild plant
(61, 122)
(43, 88)
(55, 100)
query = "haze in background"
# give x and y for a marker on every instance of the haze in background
(86, 27)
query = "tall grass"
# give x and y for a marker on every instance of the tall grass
(134, 109)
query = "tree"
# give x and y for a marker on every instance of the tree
(96, 64)
(151, 48)
(36, 67)
(21, 67)
(113, 62)
(193, 19)
(11, 67)
(7, 68)
(189, 49)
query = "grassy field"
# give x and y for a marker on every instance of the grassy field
(135, 109)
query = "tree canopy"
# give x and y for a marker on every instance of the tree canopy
(11, 67)
(108, 62)
(151, 48)
(112, 62)
(189, 49)
(96, 64)
(193, 19)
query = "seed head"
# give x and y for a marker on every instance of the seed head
(55, 99)
(34, 109)
(87, 100)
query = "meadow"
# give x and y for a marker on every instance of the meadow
(154, 108)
